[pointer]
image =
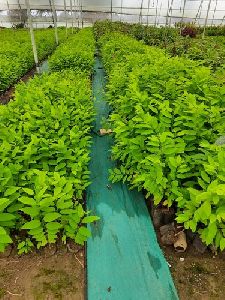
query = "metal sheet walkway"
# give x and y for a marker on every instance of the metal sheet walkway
(124, 261)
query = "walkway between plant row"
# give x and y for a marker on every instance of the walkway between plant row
(124, 261)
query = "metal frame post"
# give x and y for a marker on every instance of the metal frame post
(206, 19)
(214, 12)
(81, 13)
(182, 18)
(148, 10)
(111, 4)
(18, 2)
(156, 12)
(121, 3)
(140, 15)
(27, 3)
(65, 12)
(55, 21)
(199, 10)
(167, 15)
(160, 9)
(170, 10)
(71, 11)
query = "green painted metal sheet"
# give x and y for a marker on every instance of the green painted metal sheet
(124, 261)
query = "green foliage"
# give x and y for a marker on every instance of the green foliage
(149, 34)
(44, 155)
(167, 115)
(208, 52)
(76, 53)
(16, 56)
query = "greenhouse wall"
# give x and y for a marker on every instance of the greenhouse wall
(155, 12)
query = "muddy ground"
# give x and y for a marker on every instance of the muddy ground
(197, 276)
(46, 275)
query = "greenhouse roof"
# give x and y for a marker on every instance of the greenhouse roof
(187, 10)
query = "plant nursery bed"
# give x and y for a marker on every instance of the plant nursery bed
(50, 274)
(197, 276)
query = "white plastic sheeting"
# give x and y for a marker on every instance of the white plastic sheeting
(145, 11)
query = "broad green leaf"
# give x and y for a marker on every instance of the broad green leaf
(27, 201)
(32, 224)
(205, 176)
(53, 226)
(84, 231)
(2, 231)
(90, 219)
(5, 239)
(4, 217)
(222, 244)
(11, 190)
(31, 211)
(28, 191)
(80, 211)
(49, 217)
(220, 190)
(4, 202)
(209, 233)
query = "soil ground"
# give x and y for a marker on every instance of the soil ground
(47, 275)
(198, 276)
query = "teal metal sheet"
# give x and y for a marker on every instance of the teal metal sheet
(124, 260)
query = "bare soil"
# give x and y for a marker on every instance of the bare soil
(197, 276)
(47, 275)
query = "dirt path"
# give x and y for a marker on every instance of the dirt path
(43, 276)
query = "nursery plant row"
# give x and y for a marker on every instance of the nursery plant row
(185, 40)
(44, 153)
(168, 119)
(16, 56)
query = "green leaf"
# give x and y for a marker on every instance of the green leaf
(5, 239)
(53, 226)
(31, 211)
(209, 233)
(64, 205)
(2, 231)
(80, 211)
(4, 202)
(60, 166)
(68, 188)
(90, 219)
(28, 191)
(49, 217)
(27, 201)
(222, 244)
(205, 176)
(220, 190)
(32, 224)
(181, 218)
(203, 212)
(46, 202)
(36, 231)
(11, 191)
(84, 231)
(5, 217)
